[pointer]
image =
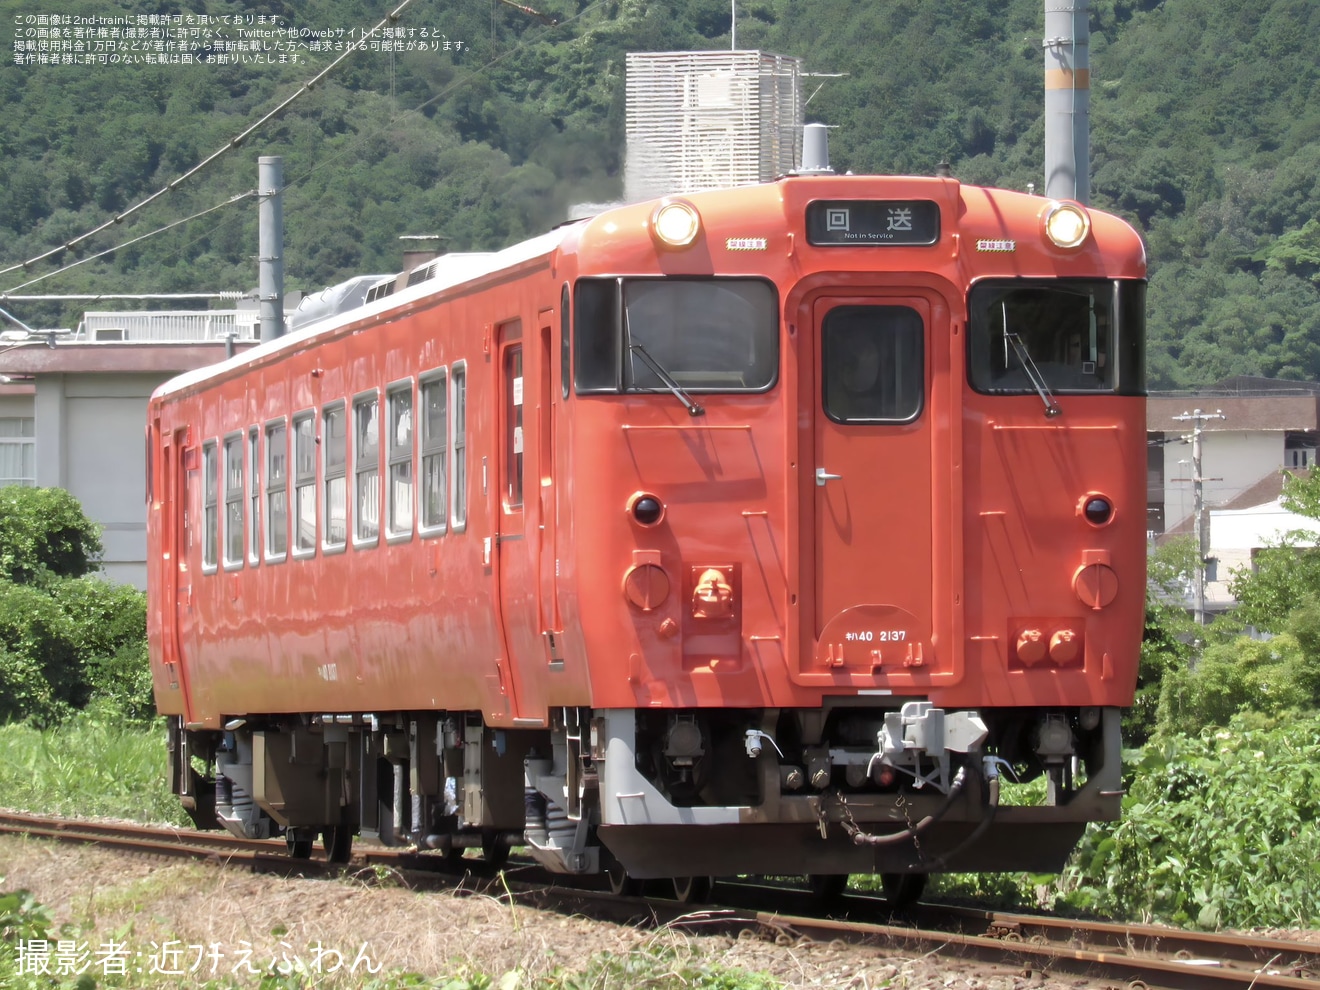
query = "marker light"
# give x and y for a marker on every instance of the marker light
(1066, 224)
(646, 508)
(675, 223)
(1097, 509)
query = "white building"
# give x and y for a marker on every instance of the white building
(73, 415)
(710, 120)
(1267, 427)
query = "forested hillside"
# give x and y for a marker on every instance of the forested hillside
(1205, 132)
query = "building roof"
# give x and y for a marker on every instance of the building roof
(113, 358)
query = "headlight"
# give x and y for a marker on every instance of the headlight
(1066, 224)
(675, 223)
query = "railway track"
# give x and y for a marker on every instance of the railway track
(1131, 955)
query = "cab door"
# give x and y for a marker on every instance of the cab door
(173, 572)
(873, 504)
(513, 553)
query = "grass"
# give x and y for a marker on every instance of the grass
(88, 767)
(96, 766)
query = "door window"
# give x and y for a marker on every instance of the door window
(873, 364)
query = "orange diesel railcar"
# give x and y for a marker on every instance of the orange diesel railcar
(769, 530)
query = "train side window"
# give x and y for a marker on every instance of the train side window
(304, 483)
(366, 470)
(234, 495)
(458, 444)
(513, 419)
(254, 496)
(873, 364)
(434, 441)
(210, 507)
(565, 352)
(334, 444)
(596, 336)
(399, 517)
(277, 491)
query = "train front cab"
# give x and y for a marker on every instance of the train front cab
(937, 591)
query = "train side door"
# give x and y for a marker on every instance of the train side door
(871, 515)
(175, 576)
(516, 575)
(547, 425)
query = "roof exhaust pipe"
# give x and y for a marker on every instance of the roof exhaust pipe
(815, 151)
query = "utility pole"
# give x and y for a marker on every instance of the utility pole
(1067, 48)
(270, 245)
(1198, 420)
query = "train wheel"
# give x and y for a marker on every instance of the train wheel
(827, 887)
(902, 889)
(493, 849)
(621, 884)
(337, 841)
(298, 845)
(692, 890)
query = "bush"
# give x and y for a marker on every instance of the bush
(108, 626)
(1218, 829)
(68, 642)
(40, 674)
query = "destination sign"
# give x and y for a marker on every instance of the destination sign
(873, 223)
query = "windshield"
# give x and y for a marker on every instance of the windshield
(707, 335)
(1063, 335)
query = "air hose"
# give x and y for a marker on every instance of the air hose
(861, 838)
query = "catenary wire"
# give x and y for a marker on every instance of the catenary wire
(231, 145)
(452, 87)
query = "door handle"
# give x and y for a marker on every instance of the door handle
(823, 476)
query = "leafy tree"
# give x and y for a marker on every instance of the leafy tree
(1238, 676)
(44, 533)
(1168, 639)
(1286, 575)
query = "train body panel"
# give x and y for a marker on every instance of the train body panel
(783, 511)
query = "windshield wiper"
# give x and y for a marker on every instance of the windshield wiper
(1034, 376)
(669, 383)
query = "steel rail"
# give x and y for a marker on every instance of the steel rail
(1139, 955)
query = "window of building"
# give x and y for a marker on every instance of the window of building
(366, 469)
(304, 483)
(458, 444)
(234, 494)
(400, 517)
(210, 506)
(277, 491)
(18, 451)
(334, 442)
(435, 451)
(254, 496)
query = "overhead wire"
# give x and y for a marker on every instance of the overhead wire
(238, 140)
(233, 143)
(142, 237)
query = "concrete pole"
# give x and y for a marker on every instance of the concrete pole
(1198, 420)
(1067, 100)
(270, 245)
